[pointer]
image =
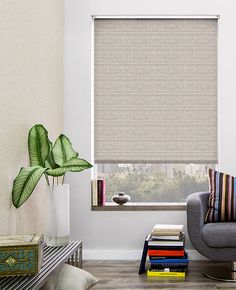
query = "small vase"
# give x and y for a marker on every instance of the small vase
(120, 198)
(58, 226)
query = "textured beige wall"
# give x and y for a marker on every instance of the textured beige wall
(31, 90)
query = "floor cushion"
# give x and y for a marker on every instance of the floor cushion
(70, 278)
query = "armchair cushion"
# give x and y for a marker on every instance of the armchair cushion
(220, 235)
(222, 198)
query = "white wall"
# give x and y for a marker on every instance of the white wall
(31, 91)
(126, 230)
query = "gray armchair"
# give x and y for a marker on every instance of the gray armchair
(216, 241)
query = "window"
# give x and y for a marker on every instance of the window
(155, 103)
(154, 182)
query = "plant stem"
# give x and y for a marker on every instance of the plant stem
(47, 179)
(63, 178)
(53, 181)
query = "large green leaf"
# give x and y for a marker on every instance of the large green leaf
(62, 150)
(25, 183)
(50, 162)
(39, 145)
(72, 165)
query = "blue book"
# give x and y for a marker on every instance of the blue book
(172, 260)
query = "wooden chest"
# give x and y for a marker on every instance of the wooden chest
(21, 255)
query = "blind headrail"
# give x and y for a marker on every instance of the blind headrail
(156, 16)
(156, 161)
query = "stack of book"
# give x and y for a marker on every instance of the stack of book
(166, 251)
(98, 192)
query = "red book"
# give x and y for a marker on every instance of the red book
(104, 192)
(166, 253)
(101, 191)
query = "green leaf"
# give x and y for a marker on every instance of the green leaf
(50, 162)
(62, 150)
(76, 164)
(25, 183)
(72, 165)
(39, 145)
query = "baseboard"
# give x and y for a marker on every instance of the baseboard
(127, 255)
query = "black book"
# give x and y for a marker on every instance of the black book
(169, 265)
(165, 247)
(170, 270)
(180, 237)
(142, 267)
(159, 242)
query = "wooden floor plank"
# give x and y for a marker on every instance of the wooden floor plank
(120, 275)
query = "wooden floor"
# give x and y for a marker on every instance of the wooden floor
(123, 275)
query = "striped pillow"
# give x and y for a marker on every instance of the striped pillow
(222, 198)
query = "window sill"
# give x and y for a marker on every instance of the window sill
(142, 206)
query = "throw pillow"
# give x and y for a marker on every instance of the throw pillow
(70, 278)
(222, 198)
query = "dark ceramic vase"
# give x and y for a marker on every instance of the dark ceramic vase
(120, 198)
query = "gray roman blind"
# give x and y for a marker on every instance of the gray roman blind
(155, 90)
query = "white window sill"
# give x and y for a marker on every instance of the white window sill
(142, 206)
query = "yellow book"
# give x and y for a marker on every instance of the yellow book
(165, 274)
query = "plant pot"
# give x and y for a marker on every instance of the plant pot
(58, 225)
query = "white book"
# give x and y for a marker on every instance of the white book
(171, 238)
(166, 243)
(162, 229)
(94, 192)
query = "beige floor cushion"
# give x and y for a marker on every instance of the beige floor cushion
(70, 278)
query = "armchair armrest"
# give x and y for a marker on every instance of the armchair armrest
(197, 205)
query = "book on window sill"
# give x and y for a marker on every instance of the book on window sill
(98, 192)
(94, 192)
(101, 191)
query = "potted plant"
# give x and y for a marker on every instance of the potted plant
(53, 161)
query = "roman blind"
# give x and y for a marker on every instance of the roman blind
(155, 90)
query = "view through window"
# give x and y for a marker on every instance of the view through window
(154, 182)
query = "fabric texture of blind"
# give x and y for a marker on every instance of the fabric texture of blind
(155, 90)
